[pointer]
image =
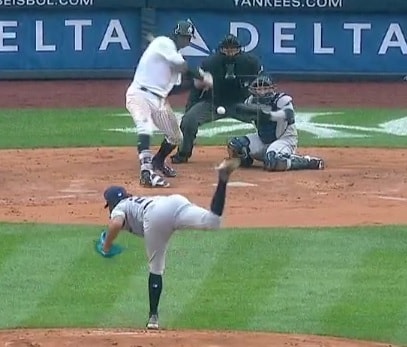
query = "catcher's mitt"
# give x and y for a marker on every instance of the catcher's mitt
(238, 147)
(233, 153)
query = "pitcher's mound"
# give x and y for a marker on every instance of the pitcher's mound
(132, 338)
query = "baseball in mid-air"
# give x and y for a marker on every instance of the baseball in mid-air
(220, 110)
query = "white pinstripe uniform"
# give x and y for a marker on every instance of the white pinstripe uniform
(156, 74)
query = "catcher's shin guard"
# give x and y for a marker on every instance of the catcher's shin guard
(306, 163)
(276, 161)
(282, 162)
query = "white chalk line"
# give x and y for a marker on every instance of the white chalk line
(70, 196)
(377, 195)
(74, 190)
(238, 184)
(394, 198)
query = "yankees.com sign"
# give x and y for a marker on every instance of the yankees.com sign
(334, 43)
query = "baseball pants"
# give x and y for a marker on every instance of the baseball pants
(166, 215)
(148, 110)
(198, 114)
(284, 145)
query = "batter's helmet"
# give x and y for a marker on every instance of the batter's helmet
(184, 28)
(113, 195)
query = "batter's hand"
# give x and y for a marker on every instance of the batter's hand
(207, 79)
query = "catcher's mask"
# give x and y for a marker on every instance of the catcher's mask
(113, 195)
(230, 46)
(263, 89)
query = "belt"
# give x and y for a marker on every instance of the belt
(144, 89)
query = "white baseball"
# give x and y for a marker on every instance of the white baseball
(220, 110)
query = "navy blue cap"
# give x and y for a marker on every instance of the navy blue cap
(113, 195)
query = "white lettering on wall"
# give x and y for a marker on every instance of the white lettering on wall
(279, 37)
(357, 34)
(39, 38)
(78, 25)
(8, 35)
(254, 35)
(114, 34)
(400, 41)
(318, 49)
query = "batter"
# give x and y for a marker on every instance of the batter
(159, 69)
(156, 218)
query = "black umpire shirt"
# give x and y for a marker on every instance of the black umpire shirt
(244, 67)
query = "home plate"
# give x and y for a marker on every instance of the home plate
(238, 184)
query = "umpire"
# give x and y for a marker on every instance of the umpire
(232, 72)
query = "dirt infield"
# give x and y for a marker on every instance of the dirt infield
(66, 186)
(358, 187)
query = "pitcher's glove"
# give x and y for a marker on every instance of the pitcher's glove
(114, 250)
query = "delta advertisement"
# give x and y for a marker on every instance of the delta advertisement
(92, 40)
(69, 40)
(305, 43)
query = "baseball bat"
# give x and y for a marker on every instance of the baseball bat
(149, 37)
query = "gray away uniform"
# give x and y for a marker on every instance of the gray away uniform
(156, 218)
(275, 134)
(276, 140)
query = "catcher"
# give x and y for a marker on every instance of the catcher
(276, 140)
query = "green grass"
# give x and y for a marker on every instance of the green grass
(33, 128)
(339, 281)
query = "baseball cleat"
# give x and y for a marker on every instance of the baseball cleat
(152, 323)
(178, 159)
(149, 178)
(165, 169)
(227, 166)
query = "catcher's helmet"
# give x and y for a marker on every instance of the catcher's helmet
(113, 195)
(263, 88)
(230, 46)
(184, 28)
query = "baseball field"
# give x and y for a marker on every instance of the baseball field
(306, 258)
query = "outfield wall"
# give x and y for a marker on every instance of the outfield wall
(296, 39)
